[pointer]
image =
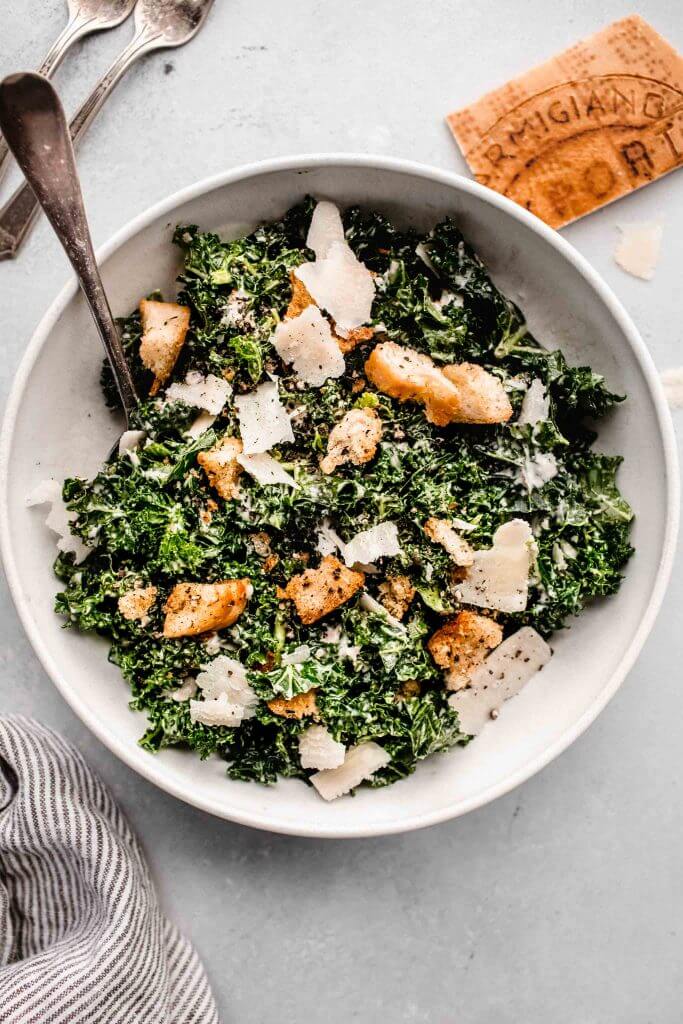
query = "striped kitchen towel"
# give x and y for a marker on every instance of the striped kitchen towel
(82, 938)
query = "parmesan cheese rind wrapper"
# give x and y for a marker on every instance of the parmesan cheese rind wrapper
(592, 124)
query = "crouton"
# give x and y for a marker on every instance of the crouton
(194, 608)
(411, 376)
(441, 532)
(354, 439)
(317, 592)
(221, 466)
(300, 706)
(462, 644)
(463, 393)
(396, 594)
(136, 603)
(482, 396)
(301, 298)
(164, 327)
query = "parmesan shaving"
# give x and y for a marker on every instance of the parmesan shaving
(499, 575)
(228, 697)
(499, 677)
(318, 749)
(326, 227)
(340, 284)
(637, 251)
(201, 424)
(306, 341)
(535, 404)
(298, 656)
(58, 519)
(380, 541)
(209, 393)
(266, 470)
(263, 419)
(360, 763)
(131, 439)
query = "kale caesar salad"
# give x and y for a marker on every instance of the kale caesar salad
(355, 504)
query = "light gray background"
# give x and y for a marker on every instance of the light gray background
(560, 902)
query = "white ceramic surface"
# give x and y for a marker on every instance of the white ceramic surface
(56, 425)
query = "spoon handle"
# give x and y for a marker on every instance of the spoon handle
(33, 123)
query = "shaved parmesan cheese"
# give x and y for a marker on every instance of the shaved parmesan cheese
(673, 387)
(298, 656)
(326, 227)
(499, 575)
(499, 677)
(216, 711)
(228, 697)
(318, 749)
(209, 393)
(186, 690)
(538, 470)
(360, 763)
(130, 439)
(441, 532)
(535, 404)
(265, 469)
(263, 419)
(342, 285)
(637, 250)
(202, 423)
(369, 604)
(306, 341)
(49, 492)
(380, 541)
(329, 540)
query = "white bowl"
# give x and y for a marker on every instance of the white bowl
(56, 425)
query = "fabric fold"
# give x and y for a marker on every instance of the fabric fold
(82, 936)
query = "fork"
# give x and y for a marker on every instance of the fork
(159, 25)
(85, 17)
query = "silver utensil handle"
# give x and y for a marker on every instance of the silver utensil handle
(35, 127)
(18, 214)
(75, 29)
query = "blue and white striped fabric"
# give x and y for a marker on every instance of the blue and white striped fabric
(82, 938)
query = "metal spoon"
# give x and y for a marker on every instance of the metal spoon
(33, 122)
(159, 25)
(85, 17)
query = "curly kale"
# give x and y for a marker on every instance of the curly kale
(153, 519)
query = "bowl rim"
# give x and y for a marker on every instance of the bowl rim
(152, 769)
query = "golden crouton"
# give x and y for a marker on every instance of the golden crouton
(136, 603)
(411, 376)
(482, 396)
(354, 439)
(317, 592)
(462, 644)
(464, 393)
(441, 532)
(194, 608)
(301, 298)
(164, 326)
(221, 466)
(299, 706)
(396, 594)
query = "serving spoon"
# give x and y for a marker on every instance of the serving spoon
(34, 125)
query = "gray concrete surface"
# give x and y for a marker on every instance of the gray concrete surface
(560, 902)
